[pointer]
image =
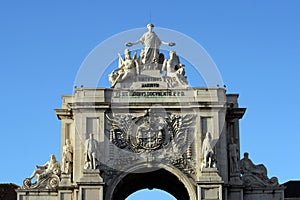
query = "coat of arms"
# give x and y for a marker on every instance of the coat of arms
(150, 132)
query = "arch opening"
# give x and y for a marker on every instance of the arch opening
(146, 194)
(158, 179)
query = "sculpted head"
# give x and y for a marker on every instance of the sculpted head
(68, 141)
(91, 136)
(208, 135)
(232, 140)
(150, 27)
(52, 157)
(172, 53)
(127, 53)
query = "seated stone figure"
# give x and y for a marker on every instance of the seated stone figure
(255, 175)
(170, 64)
(50, 169)
(173, 68)
(128, 68)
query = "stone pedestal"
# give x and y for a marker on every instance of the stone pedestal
(265, 193)
(91, 185)
(64, 194)
(235, 179)
(91, 176)
(32, 194)
(235, 191)
(65, 191)
(209, 185)
(65, 180)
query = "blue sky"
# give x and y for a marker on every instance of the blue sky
(255, 44)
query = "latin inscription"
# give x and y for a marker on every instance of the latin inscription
(149, 79)
(149, 94)
(144, 85)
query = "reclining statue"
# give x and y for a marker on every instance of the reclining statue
(47, 175)
(255, 175)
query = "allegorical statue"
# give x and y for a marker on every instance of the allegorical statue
(50, 167)
(50, 170)
(207, 151)
(171, 64)
(247, 166)
(233, 156)
(67, 158)
(128, 68)
(174, 68)
(91, 158)
(151, 44)
(255, 174)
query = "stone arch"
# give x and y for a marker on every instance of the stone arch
(159, 176)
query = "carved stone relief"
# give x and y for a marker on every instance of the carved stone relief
(154, 136)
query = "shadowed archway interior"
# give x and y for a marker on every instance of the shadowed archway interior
(160, 179)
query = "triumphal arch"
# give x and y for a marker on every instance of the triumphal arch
(150, 129)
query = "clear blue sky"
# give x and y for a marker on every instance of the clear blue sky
(255, 44)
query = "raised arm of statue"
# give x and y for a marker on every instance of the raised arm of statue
(42, 166)
(150, 39)
(121, 61)
(130, 44)
(168, 43)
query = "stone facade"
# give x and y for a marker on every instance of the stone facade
(151, 130)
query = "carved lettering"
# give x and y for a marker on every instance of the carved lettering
(150, 85)
(157, 94)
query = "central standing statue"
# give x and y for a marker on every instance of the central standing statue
(151, 43)
(149, 66)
